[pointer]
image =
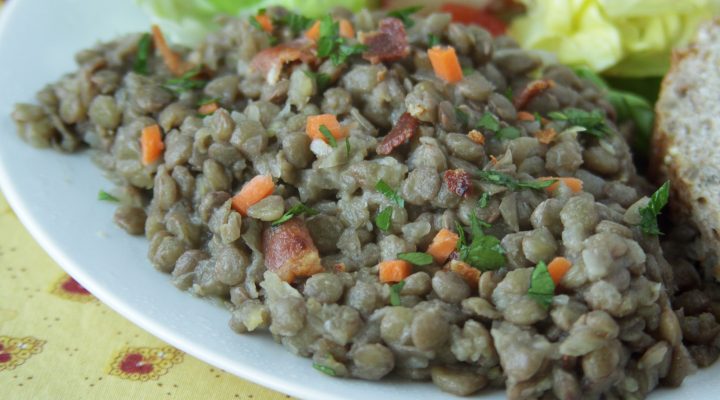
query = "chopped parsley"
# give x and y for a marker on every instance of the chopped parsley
(382, 187)
(484, 200)
(395, 293)
(140, 66)
(105, 196)
(593, 121)
(384, 218)
(321, 80)
(484, 252)
(297, 209)
(509, 93)
(416, 258)
(542, 287)
(403, 14)
(488, 122)
(324, 369)
(649, 213)
(185, 82)
(206, 101)
(508, 133)
(296, 22)
(434, 40)
(538, 117)
(498, 178)
(461, 116)
(332, 45)
(330, 138)
(468, 70)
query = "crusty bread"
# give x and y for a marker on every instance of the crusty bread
(686, 144)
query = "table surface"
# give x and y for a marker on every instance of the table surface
(57, 341)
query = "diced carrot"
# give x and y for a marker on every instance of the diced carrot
(346, 29)
(546, 136)
(558, 267)
(209, 108)
(442, 245)
(575, 184)
(393, 271)
(445, 63)
(476, 136)
(525, 116)
(314, 122)
(469, 274)
(253, 191)
(151, 144)
(265, 22)
(314, 32)
(171, 59)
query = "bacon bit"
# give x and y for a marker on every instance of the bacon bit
(271, 61)
(403, 131)
(289, 250)
(472, 15)
(546, 136)
(477, 137)
(388, 43)
(525, 116)
(172, 60)
(209, 108)
(458, 181)
(533, 89)
(493, 160)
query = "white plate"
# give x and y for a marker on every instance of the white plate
(54, 196)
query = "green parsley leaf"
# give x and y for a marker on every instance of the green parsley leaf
(384, 218)
(321, 80)
(461, 236)
(593, 121)
(433, 40)
(297, 209)
(649, 213)
(333, 46)
(324, 369)
(488, 122)
(542, 287)
(382, 187)
(185, 82)
(485, 251)
(468, 71)
(296, 22)
(207, 100)
(140, 66)
(330, 138)
(345, 51)
(416, 258)
(105, 196)
(461, 116)
(404, 14)
(508, 133)
(484, 200)
(395, 293)
(538, 117)
(509, 93)
(498, 178)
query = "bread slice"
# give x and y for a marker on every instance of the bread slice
(686, 143)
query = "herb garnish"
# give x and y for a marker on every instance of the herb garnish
(206, 101)
(593, 121)
(484, 252)
(140, 66)
(321, 80)
(542, 287)
(383, 219)
(382, 187)
(185, 82)
(328, 136)
(488, 122)
(416, 258)
(347, 147)
(295, 210)
(434, 40)
(296, 22)
(332, 45)
(508, 133)
(404, 14)
(498, 178)
(649, 213)
(105, 196)
(395, 293)
(324, 369)
(484, 200)
(461, 116)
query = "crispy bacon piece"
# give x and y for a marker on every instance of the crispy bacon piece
(403, 130)
(458, 181)
(388, 43)
(476, 136)
(533, 89)
(290, 251)
(271, 61)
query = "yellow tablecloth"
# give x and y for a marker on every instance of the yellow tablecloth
(57, 341)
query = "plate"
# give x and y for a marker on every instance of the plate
(54, 195)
